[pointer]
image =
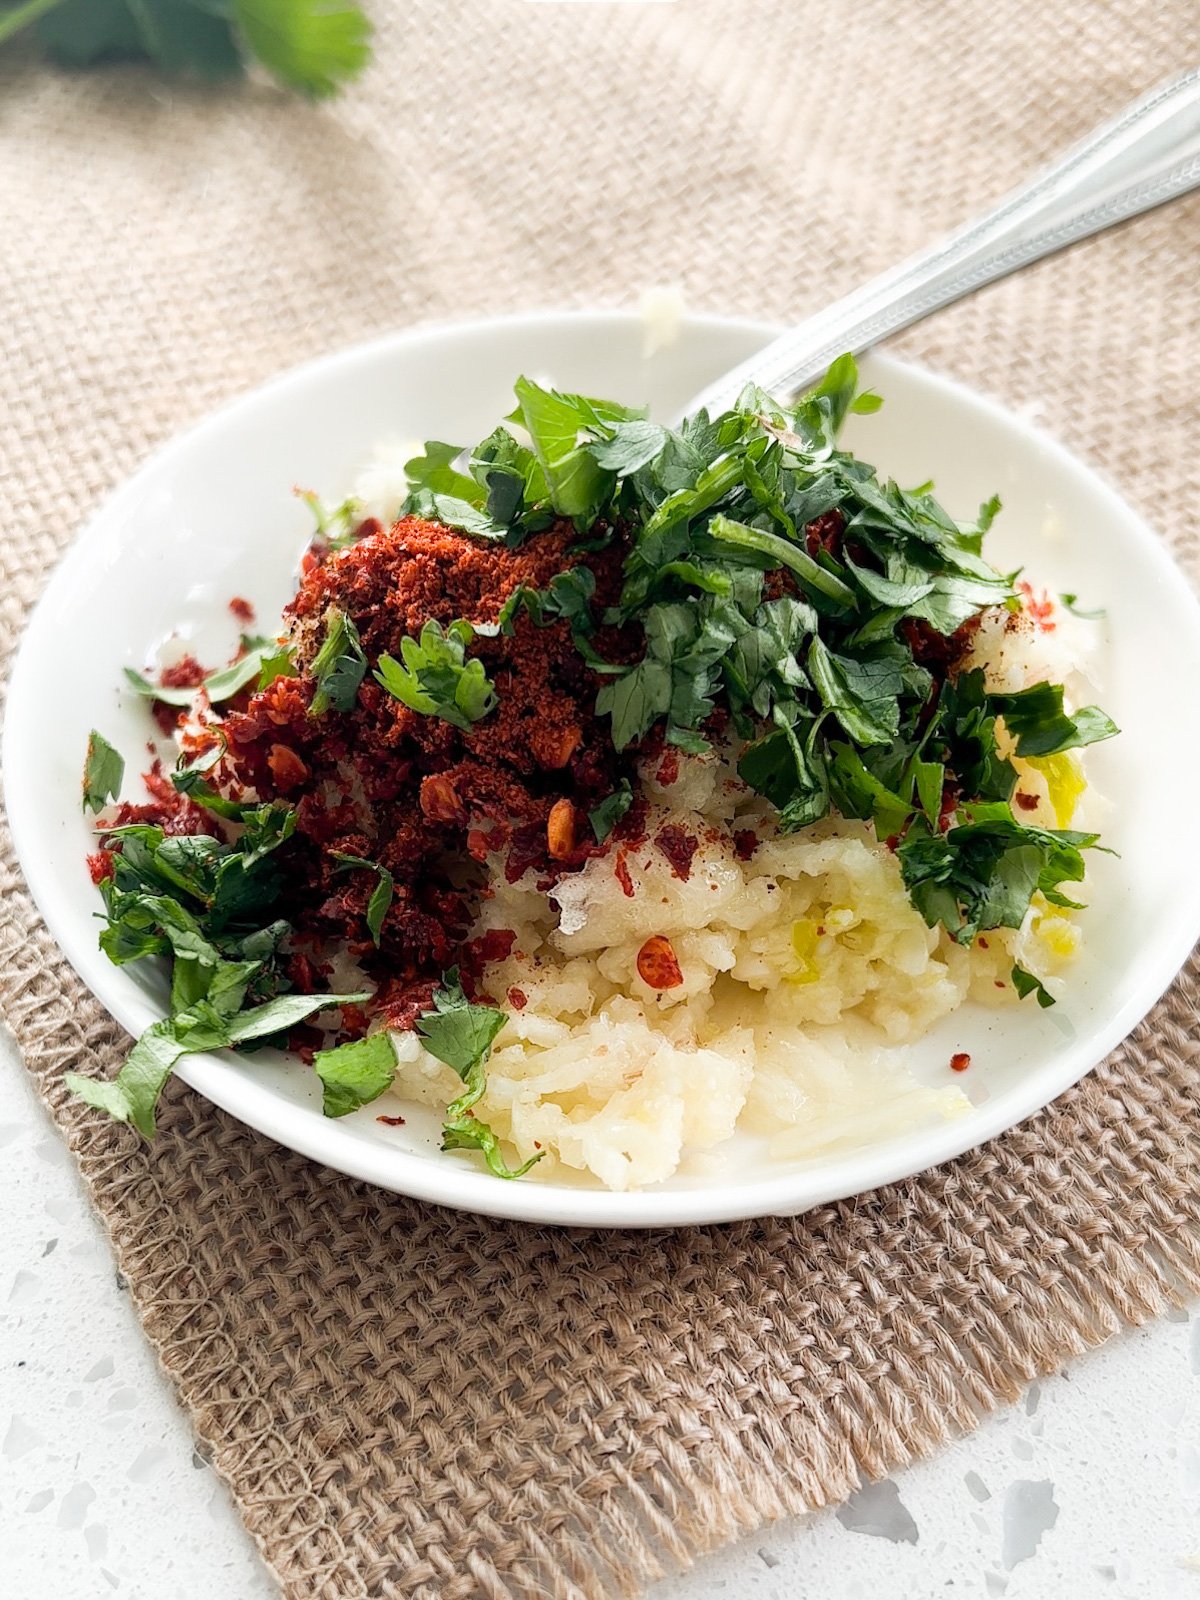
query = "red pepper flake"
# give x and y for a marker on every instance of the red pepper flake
(303, 973)
(355, 1022)
(960, 1061)
(999, 982)
(1038, 605)
(679, 846)
(391, 1122)
(242, 609)
(187, 673)
(983, 944)
(824, 533)
(100, 866)
(892, 842)
(668, 768)
(745, 843)
(621, 873)
(518, 999)
(657, 964)
(286, 767)
(494, 945)
(1027, 802)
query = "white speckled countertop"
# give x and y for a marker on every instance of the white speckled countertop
(1089, 1490)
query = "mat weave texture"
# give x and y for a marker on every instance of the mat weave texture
(405, 1402)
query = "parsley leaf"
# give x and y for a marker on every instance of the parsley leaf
(339, 666)
(381, 895)
(1036, 719)
(460, 1034)
(132, 1095)
(436, 679)
(337, 527)
(220, 685)
(792, 774)
(177, 35)
(435, 471)
(983, 873)
(558, 425)
(468, 1133)
(354, 1074)
(783, 553)
(310, 45)
(276, 663)
(609, 812)
(1025, 983)
(631, 445)
(103, 770)
(861, 693)
(1076, 610)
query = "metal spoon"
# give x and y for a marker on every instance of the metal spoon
(1146, 156)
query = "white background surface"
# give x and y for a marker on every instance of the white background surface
(1089, 1490)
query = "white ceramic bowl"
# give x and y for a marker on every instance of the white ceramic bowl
(212, 516)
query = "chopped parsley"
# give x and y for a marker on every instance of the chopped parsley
(780, 587)
(354, 1074)
(312, 46)
(209, 907)
(609, 812)
(381, 895)
(1025, 983)
(103, 770)
(435, 677)
(461, 1033)
(339, 666)
(225, 683)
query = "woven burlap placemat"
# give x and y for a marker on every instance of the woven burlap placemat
(411, 1403)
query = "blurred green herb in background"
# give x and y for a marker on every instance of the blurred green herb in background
(312, 46)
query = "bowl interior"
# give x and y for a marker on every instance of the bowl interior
(212, 516)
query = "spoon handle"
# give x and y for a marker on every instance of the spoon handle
(1146, 156)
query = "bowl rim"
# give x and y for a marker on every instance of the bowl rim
(450, 1182)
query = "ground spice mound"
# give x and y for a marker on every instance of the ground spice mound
(412, 792)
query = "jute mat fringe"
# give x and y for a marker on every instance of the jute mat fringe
(408, 1403)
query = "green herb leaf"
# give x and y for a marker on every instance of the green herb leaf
(218, 686)
(178, 35)
(468, 1133)
(1076, 610)
(460, 1034)
(103, 770)
(335, 527)
(1036, 719)
(861, 693)
(133, 1095)
(436, 679)
(276, 663)
(609, 812)
(636, 700)
(792, 774)
(381, 895)
(630, 446)
(354, 1074)
(311, 45)
(813, 577)
(339, 666)
(557, 423)
(435, 471)
(982, 874)
(1025, 983)
(285, 1012)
